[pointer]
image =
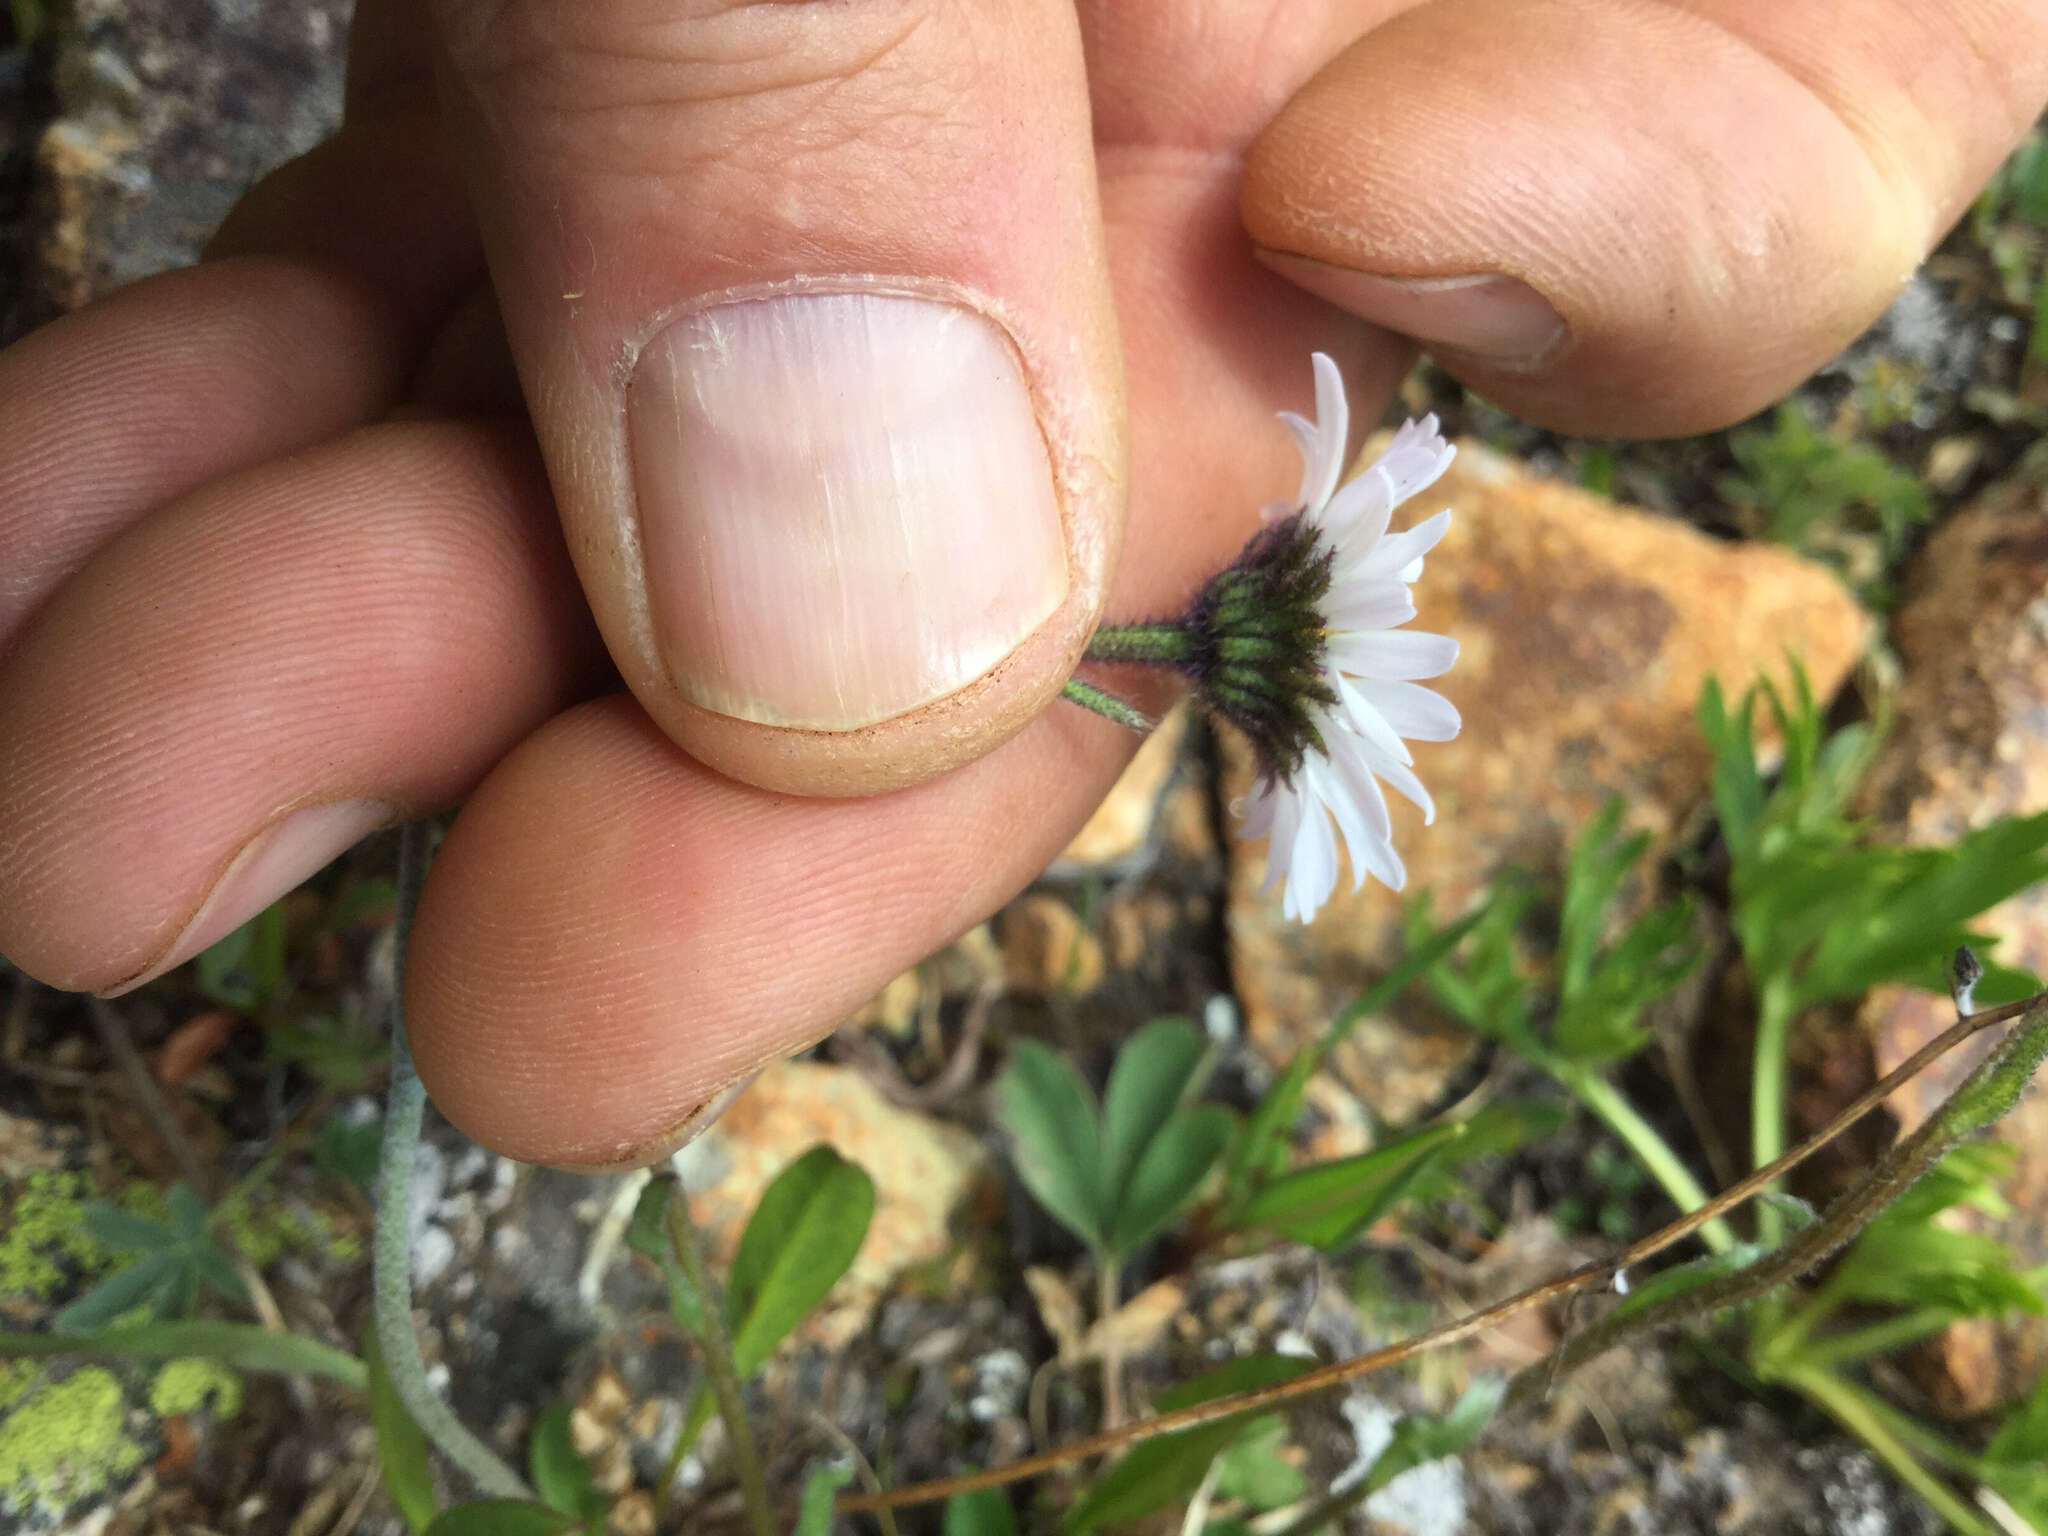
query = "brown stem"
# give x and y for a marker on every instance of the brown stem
(1323, 1378)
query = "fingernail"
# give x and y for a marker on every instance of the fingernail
(674, 1139)
(846, 505)
(277, 859)
(1499, 320)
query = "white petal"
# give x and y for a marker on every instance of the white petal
(1312, 874)
(1401, 655)
(1367, 605)
(1376, 850)
(1418, 713)
(1362, 717)
(1403, 779)
(1397, 551)
(1308, 441)
(1333, 420)
(1415, 459)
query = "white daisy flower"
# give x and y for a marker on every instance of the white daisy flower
(1371, 666)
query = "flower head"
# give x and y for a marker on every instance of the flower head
(1320, 778)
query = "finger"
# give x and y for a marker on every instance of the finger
(611, 935)
(1641, 218)
(162, 386)
(676, 930)
(247, 682)
(380, 202)
(809, 305)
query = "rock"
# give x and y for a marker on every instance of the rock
(1970, 745)
(922, 1167)
(166, 113)
(1047, 951)
(1119, 835)
(1587, 631)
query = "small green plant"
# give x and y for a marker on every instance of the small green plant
(173, 1261)
(1806, 487)
(1115, 1175)
(1820, 912)
(802, 1237)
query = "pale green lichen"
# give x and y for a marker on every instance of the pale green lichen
(43, 1240)
(262, 1230)
(65, 1442)
(184, 1385)
(17, 1379)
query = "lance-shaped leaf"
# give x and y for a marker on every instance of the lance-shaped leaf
(801, 1238)
(501, 1517)
(401, 1445)
(1166, 1470)
(1056, 1139)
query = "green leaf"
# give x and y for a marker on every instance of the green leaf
(501, 1517)
(801, 1238)
(208, 1262)
(1170, 1174)
(1906, 1257)
(560, 1475)
(1158, 1072)
(246, 968)
(1254, 1470)
(187, 1211)
(814, 1513)
(126, 1231)
(241, 1345)
(348, 1151)
(1326, 1204)
(120, 1293)
(647, 1234)
(1263, 1145)
(1165, 1471)
(1056, 1139)
(1419, 1438)
(986, 1513)
(401, 1445)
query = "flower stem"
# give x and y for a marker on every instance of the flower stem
(1614, 1111)
(718, 1362)
(1108, 705)
(1168, 644)
(1852, 1410)
(1108, 1291)
(1767, 1092)
(391, 1255)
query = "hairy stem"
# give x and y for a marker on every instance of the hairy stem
(391, 1256)
(1160, 643)
(1107, 705)
(718, 1363)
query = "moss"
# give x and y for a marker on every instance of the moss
(184, 1385)
(43, 1238)
(65, 1442)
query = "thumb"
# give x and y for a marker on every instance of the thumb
(810, 309)
(1621, 218)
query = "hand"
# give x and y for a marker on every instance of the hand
(277, 565)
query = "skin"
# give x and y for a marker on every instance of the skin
(279, 531)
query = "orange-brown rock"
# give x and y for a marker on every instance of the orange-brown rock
(1587, 631)
(1970, 745)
